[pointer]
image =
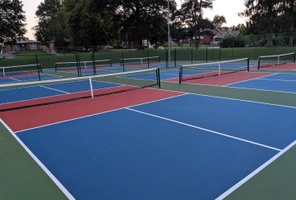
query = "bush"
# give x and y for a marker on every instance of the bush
(232, 42)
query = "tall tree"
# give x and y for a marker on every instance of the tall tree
(91, 22)
(51, 24)
(191, 16)
(12, 19)
(288, 18)
(263, 16)
(143, 19)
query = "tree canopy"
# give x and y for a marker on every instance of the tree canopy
(270, 16)
(12, 19)
(190, 17)
(104, 22)
(51, 25)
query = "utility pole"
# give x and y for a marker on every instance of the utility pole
(169, 33)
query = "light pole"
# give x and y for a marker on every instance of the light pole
(169, 33)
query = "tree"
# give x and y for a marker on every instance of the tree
(288, 18)
(218, 21)
(91, 22)
(51, 25)
(12, 19)
(263, 17)
(191, 16)
(143, 19)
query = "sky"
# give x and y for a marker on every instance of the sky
(228, 8)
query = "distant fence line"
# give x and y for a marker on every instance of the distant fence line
(193, 55)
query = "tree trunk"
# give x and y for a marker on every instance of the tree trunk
(291, 35)
(269, 37)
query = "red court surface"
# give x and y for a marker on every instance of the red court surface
(18, 75)
(287, 66)
(41, 115)
(224, 79)
(61, 98)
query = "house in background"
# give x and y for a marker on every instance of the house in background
(21, 44)
(220, 34)
(26, 44)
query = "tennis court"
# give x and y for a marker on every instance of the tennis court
(169, 147)
(275, 82)
(285, 62)
(32, 77)
(28, 94)
(119, 136)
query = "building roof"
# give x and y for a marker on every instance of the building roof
(27, 41)
(223, 33)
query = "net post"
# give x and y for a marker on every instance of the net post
(294, 57)
(78, 64)
(248, 64)
(219, 68)
(37, 66)
(3, 70)
(91, 88)
(258, 67)
(180, 74)
(158, 77)
(122, 61)
(94, 63)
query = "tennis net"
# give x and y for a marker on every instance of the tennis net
(275, 60)
(134, 63)
(204, 70)
(21, 69)
(38, 93)
(78, 66)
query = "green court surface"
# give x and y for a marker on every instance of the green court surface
(20, 176)
(276, 181)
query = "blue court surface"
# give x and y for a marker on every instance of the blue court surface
(27, 78)
(275, 82)
(101, 70)
(50, 90)
(186, 147)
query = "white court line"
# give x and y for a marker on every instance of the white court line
(277, 80)
(49, 88)
(255, 172)
(14, 79)
(258, 89)
(95, 114)
(207, 130)
(51, 176)
(250, 79)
